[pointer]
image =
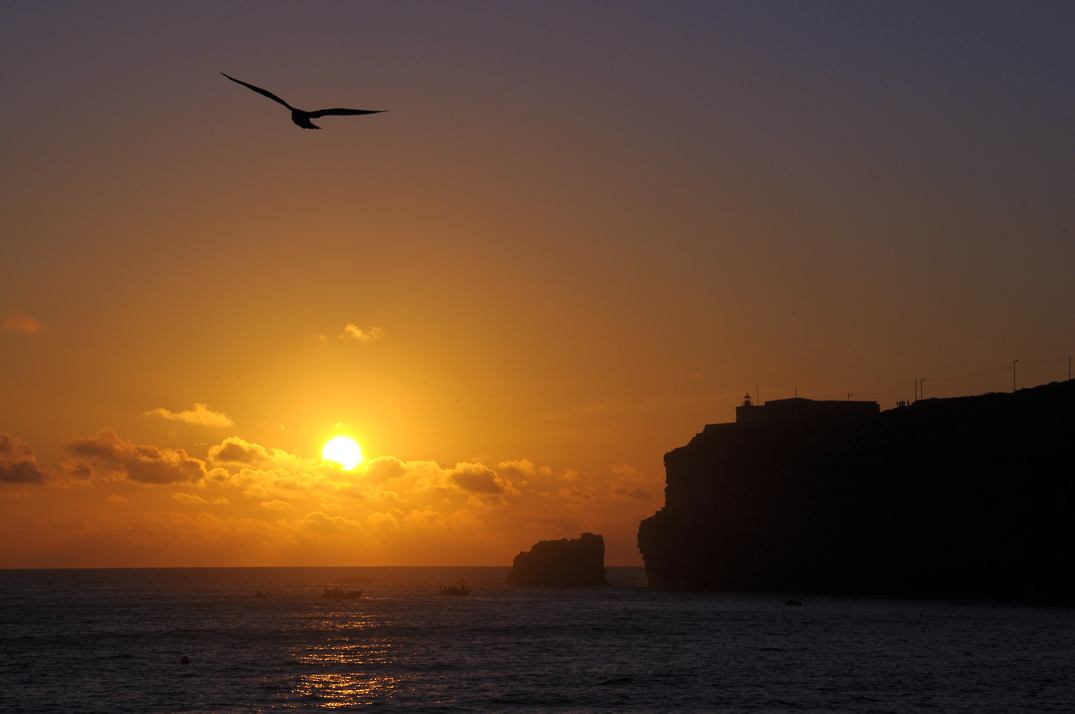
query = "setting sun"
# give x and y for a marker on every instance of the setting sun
(343, 452)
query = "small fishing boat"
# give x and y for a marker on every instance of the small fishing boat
(337, 594)
(793, 602)
(452, 590)
(260, 594)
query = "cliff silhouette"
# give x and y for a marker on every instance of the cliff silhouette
(561, 563)
(971, 495)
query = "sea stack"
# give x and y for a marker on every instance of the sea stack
(561, 563)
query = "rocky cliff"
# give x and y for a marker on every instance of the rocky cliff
(561, 563)
(970, 495)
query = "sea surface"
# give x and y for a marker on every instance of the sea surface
(112, 641)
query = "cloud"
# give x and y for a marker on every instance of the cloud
(638, 494)
(576, 494)
(115, 498)
(268, 474)
(320, 522)
(18, 463)
(383, 468)
(395, 519)
(21, 322)
(200, 415)
(141, 463)
(385, 506)
(361, 335)
(386, 497)
(76, 469)
(477, 478)
(195, 498)
(234, 450)
(523, 469)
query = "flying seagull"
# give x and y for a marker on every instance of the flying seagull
(300, 117)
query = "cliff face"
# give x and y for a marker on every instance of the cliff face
(974, 494)
(561, 563)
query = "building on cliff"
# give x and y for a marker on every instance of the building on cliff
(972, 494)
(799, 409)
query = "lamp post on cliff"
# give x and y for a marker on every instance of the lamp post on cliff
(1013, 375)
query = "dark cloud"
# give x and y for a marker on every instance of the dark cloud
(234, 450)
(19, 472)
(77, 469)
(382, 469)
(477, 478)
(140, 463)
(18, 463)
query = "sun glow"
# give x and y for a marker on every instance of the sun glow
(342, 452)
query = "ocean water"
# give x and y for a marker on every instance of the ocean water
(111, 641)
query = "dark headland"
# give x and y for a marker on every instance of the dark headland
(972, 495)
(561, 563)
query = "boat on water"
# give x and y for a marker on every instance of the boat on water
(260, 594)
(452, 590)
(793, 602)
(336, 593)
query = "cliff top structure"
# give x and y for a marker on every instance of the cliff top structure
(797, 409)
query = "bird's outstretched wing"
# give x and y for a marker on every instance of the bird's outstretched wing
(342, 112)
(261, 91)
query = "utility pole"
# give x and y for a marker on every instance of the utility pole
(1069, 369)
(922, 389)
(916, 390)
(849, 396)
(1013, 374)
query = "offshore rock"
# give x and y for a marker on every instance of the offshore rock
(971, 495)
(561, 563)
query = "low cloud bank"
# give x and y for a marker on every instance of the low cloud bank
(289, 509)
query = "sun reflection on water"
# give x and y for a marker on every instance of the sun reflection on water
(338, 690)
(345, 678)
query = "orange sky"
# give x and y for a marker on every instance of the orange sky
(579, 234)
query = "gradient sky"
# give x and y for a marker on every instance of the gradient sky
(582, 231)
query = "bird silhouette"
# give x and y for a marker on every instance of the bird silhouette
(300, 117)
